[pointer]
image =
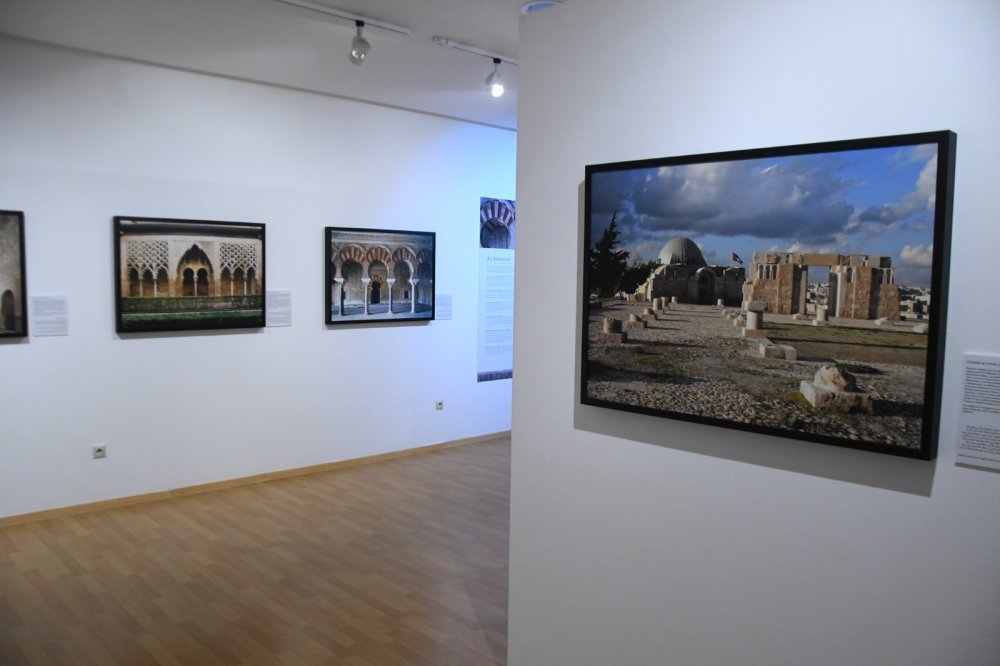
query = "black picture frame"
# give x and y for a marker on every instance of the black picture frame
(13, 276)
(379, 276)
(833, 331)
(188, 275)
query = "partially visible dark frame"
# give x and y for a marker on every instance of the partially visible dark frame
(595, 356)
(205, 274)
(359, 264)
(13, 277)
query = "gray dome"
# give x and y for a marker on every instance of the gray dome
(681, 250)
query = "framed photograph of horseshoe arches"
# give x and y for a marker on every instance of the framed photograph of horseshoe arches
(379, 276)
(798, 291)
(183, 275)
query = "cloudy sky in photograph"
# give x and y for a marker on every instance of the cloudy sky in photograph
(873, 201)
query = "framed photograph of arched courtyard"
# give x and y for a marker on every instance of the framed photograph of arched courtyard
(798, 291)
(379, 275)
(176, 275)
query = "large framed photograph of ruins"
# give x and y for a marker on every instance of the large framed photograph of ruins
(176, 275)
(13, 303)
(797, 291)
(379, 275)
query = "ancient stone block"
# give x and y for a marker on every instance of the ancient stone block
(833, 388)
(771, 350)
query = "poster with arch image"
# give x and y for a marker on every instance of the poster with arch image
(13, 287)
(798, 291)
(379, 275)
(184, 275)
(495, 329)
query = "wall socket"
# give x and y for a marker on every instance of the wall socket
(99, 452)
(439, 404)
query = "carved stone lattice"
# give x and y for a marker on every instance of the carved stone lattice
(238, 255)
(146, 255)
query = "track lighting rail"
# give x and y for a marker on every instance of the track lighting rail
(475, 50)
(347, 16)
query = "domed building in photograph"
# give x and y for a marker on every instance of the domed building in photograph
(684, 274)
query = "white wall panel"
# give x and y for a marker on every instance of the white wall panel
(638, 540)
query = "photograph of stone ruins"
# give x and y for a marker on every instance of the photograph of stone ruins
(824, 333)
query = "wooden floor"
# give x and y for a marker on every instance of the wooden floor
(398, 562)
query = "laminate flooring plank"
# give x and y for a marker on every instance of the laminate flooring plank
(396, 563)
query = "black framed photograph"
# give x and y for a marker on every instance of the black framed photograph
(379, 275)
(177, 275)
(798, 291)
(13, 282)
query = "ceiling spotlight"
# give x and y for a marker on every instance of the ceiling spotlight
(359, 46)
(493, 82)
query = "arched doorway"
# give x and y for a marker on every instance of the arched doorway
(354, 289)
(134, 290)
(239, 282)
(494, 234)
(425, 287)
(379, 274)
(148, 284)
(195, 271)
(401, 290)
(252, 288)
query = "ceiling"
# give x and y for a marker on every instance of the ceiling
(271, 42)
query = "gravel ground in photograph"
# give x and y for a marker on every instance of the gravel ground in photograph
(692, 360)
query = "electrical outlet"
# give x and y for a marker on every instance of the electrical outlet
(99, 452)
(439, 405)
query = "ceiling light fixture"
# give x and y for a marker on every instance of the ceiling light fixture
(493, 82)
(359, 45)
(347, 16)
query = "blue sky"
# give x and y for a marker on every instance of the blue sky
(874, 201)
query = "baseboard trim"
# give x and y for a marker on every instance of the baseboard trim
(185, 491)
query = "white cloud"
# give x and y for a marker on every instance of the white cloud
(919, 256)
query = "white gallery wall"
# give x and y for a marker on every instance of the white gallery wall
(86, 138)
(645, 541)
